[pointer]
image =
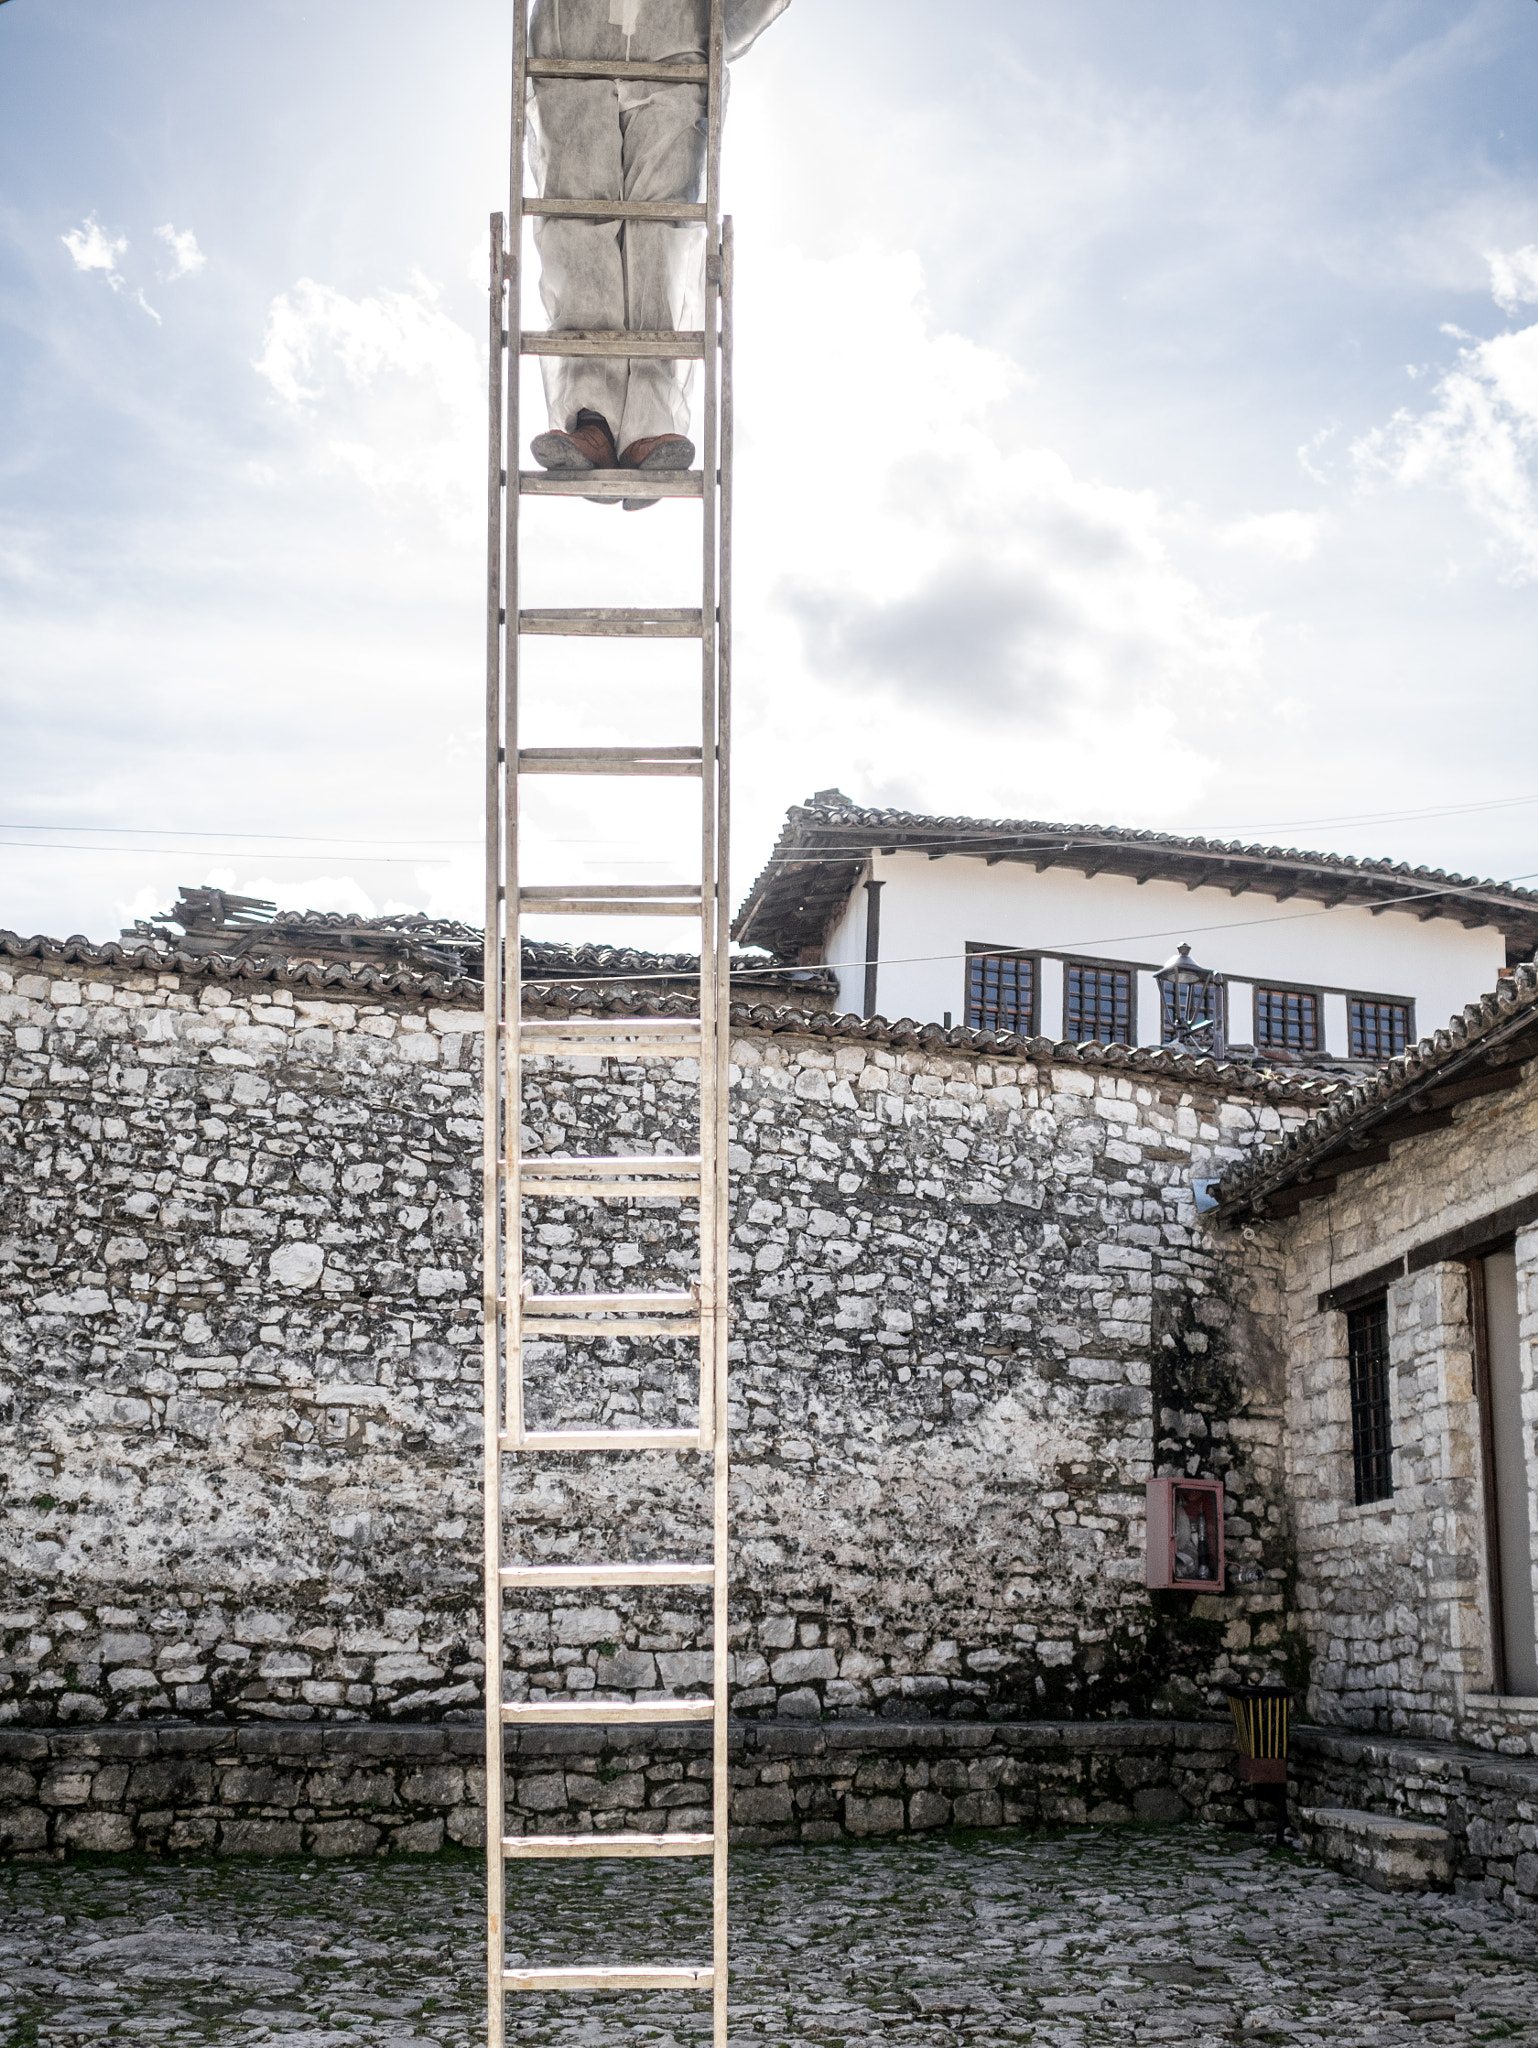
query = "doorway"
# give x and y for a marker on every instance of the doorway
(1507, 1454)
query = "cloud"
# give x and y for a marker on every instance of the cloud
(390, 385)
(1290, 536)
(187, 258)
(92, 248)
(1478, 436)
(1514, 278)
(965, 571)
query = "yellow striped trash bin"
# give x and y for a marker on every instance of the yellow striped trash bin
(1260, 1726)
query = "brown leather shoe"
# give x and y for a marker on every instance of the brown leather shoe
(658, 451)
(589, 445)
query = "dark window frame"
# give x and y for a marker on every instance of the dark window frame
(1405, 1003)
(1289, 992)
(1072, 966)
(1372, 1420)
(977, 951)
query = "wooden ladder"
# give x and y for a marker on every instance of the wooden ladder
(511, 1178)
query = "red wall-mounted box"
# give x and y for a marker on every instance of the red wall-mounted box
(1185, 1535)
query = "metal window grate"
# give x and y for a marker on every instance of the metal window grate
(1372, 1448)
(1287, 1019)
(1001, 992)
(1379, 1031)
(1097, 1006)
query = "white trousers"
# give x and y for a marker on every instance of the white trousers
(591, 139)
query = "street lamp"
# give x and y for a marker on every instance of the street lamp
(1191, 998)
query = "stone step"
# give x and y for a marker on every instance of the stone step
(1384, 1850)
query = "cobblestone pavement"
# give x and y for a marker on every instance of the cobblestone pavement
(1071, 1940)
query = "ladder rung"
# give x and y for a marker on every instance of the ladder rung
(535, 1028)
(661, 1165)
(555, 1576)
(617, 67)
(591, 1712)
(674, 345)
(599, 1049)
(616, 622)
(593, 892)
(615, 209)
(615, 1326)
(607, 1845)
(614, 1977)
(609, 761)
(604, 1304)
(612, 1191)
(605, 1440)
(611, 483)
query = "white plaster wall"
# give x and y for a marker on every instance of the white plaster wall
(930, 910)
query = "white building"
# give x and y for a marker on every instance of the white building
(1059, 930)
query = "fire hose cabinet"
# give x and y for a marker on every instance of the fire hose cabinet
(1185, 1535)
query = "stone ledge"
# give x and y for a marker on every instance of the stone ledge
(376, 1789)
(1486, 1805)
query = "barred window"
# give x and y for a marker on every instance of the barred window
(1372, 1448)
(1001, 992)
(1378, 1030)
(1097, 1006)
(1287, 1019)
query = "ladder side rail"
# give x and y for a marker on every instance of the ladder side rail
(512, 1225)
(710, 832)
(492, 1092)
(720, 1052)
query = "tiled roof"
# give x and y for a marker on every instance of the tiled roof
(825, 841)
(600, 980)
(1479, 1050)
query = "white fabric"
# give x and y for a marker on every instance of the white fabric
(591, 139)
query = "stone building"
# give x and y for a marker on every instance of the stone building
(1406, 1215)
(977, 1308)
(1059, 929)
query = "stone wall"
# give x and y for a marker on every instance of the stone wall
(333, 1789)
(1394, 1595)
(975, 1309)
(1488, 1804)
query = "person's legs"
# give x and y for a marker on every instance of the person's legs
(663, 129)
(574, 150)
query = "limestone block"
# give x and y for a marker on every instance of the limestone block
(1389, 1853)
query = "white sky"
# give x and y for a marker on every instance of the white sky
(1138, 423)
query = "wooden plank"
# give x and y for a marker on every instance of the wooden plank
(1488, 1083)
(595, 1049)
(636, 1163)
(603, 1304)
(575, 907)
(606, 1027)
(611, 1190)
(554, 1577)
(640, 892)
(612, 1326)
(611, 483)
(615, 622)
(676, 345)
(588, 1712)
(521, 1847)
(604, 1440)
(611, 1978)
(677, 210)
(618, 68)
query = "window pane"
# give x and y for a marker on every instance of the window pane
(1379, 1031)
(1001, 992)
(1287, 1018)
(1371, 1441)
(1098, 1006)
